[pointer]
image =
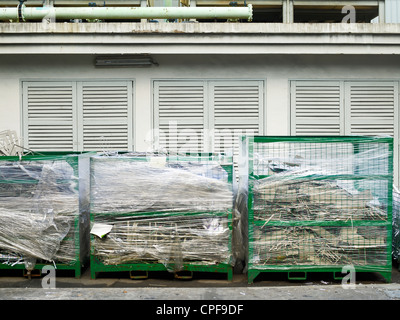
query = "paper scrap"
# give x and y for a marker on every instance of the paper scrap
(101, 229)
(158, 162)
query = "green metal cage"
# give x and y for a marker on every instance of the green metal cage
(318, 204)
(20, 178)
(170, 239)
(396, 227)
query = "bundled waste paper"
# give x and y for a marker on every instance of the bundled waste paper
(39, 201)
(172, 212)
(317, 204)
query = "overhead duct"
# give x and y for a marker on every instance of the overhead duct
(22, 13)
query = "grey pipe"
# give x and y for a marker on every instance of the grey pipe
(119, 13)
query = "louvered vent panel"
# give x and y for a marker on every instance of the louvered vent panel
(367, 108)
(105, 109)
(372, 109)
(236, 110)
(317, 108)
(180, 108)
(50, 116)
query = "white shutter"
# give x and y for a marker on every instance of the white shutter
(370, 108)
(179, 115)
(235, 109)
(106, 115)
(316, 108)
(206, 115)
(78, 116)
(49, 116)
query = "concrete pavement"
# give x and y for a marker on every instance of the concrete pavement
(318, 286)
(304, 292)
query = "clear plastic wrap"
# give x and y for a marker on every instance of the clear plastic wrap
(39, 204)
(315, 202)
(319, 246)
(301, 196)
(396, 225)
(119, 184)
(172, 211)
(164, 238)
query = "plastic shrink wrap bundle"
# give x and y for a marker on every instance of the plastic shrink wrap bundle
(39, 210)
(311, 204)
(396, 225)
(165, 210)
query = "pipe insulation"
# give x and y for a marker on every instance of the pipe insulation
(122, 13)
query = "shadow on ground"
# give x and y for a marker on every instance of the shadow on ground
(66, 279)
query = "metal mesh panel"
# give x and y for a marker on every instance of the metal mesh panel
(396, 225)
(170, 240)
(319, 245)
(319, 202)
(40, 210)
(168, 212)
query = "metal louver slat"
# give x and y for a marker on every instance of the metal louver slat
(49, 116)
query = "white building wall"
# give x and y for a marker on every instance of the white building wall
(275, 70)
(392, 11)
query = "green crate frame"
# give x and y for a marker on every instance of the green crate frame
(254, 271)
(80, 259)
(96, 266)
(396, 227)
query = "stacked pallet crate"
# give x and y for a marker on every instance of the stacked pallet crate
(160, 213)
(317, 204)
(43, 220)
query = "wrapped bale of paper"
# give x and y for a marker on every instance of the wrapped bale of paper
(319, 245)
(38, 204)
(122, 185)
(170, 240)
(169, 212)
(300, 195)
(319, 203)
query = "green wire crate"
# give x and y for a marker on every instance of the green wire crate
(44, 211)
(396, 227)
(317, 204)
(150, 233)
